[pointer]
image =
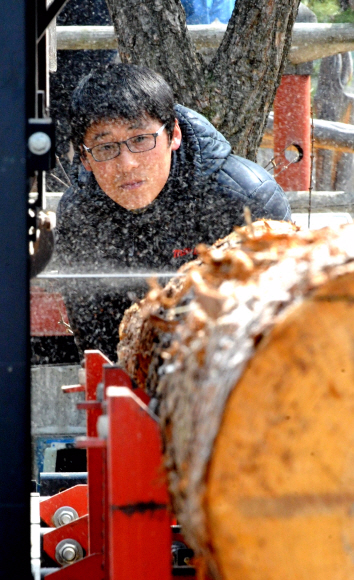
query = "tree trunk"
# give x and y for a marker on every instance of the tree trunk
(236, 90)
(246, 71)
(248, 356)
(157, 37)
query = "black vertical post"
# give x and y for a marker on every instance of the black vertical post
(14, 311)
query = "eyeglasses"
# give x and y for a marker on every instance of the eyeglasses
(137, 144)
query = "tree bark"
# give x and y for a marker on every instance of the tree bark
(157, 37)
(246, 71)
(248, 357)
(236, 90)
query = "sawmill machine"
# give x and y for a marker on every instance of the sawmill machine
(26, 152)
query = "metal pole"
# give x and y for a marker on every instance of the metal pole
(14, 312)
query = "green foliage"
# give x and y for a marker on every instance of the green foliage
(346, 16)
(329, 11)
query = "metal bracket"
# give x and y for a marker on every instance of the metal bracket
(45, 16)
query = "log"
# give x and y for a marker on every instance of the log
(321, 201)
(312, 41)
(309, 41)
(330, 135)
(248, 355)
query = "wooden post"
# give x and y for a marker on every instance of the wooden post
(292, 128)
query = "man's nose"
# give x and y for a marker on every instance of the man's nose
(127, 158)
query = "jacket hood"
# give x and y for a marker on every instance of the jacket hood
(209, 146)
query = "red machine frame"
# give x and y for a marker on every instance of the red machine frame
(127, 531)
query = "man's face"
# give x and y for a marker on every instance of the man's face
(133, 180)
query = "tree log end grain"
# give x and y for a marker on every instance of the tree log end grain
(280, 485)
(249, 353)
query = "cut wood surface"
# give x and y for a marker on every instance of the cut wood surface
(249, 356)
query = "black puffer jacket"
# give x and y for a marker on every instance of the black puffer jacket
(203, 199)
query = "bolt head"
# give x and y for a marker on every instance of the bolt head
(39, 143)
(64, 515)
(68, 553)
(65, 518)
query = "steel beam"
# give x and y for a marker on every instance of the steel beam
(15, 451)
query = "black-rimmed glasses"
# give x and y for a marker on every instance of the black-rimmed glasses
(138, 144)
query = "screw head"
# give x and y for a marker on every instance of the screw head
(39, 143)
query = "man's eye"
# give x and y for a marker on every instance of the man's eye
(106, 147)
(138, 139)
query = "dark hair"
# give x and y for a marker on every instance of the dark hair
(120, 91)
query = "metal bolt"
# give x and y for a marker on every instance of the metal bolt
(82, 376)
(39, 143)
(64, 515)
(102, 426)
(65, 518)
(68, 551)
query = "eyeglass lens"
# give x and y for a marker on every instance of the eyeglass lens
(136, 144)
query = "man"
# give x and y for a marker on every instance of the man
(207, 11)
(154, 181)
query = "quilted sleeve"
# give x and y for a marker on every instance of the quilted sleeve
(257, 189)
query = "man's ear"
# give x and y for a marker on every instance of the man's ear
(176, 137)
(85, 162)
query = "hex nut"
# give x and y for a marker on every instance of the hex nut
(68, 551)
(64, 515)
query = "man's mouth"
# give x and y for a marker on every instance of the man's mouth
(131, 185)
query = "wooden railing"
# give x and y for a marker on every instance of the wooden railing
(327, 135)
(309, 42)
